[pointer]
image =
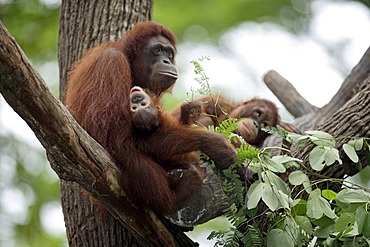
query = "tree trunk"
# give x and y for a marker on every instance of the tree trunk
(85, 24)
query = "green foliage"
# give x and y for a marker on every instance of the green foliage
(201, 78)
(325, 217)
(227, 128)
(252, 237)
(34, 24)
(217, 15)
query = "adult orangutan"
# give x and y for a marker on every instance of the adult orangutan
(98, 96)
(252, 115)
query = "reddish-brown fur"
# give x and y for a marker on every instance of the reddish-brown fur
(172, 145)
(171, 139)
(205, 111)
(98, 96)
(212, 110)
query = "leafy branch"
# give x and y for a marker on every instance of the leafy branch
(201, 77)
(325, 218)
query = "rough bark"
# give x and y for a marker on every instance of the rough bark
(352, 120)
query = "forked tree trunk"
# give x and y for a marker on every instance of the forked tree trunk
(85, 24)
(346, 115)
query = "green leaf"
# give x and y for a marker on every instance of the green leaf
(351, 152)
(346, 197)
(300, 208)
(269, 196)
(344, 221)
(274, 165)
(325, 231)
(363, 221)
(357, 144)
(278, 237)
(252, 237)
(337, 156)
(304, 223)
(254, 194)
(331, 155)
(318, 206)
(323, 222)
(285, 200)
(316, 158)
(327, 209)
(313, 209)
(273, 197)
(319, 134)
(291, 227)
(321, 138)
(294, 137)
(273, 179)
(227, 127)
(297, 178)
(285, 159)
(323, 155)
(329, 194)
(362, 178)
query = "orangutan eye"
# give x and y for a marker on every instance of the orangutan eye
(170, 54)
(158, 50)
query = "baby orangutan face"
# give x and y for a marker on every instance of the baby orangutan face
(144, 113)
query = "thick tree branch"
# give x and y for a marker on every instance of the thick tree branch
(350, 86)
(311, 120)
(74, 155)
(293, 101)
